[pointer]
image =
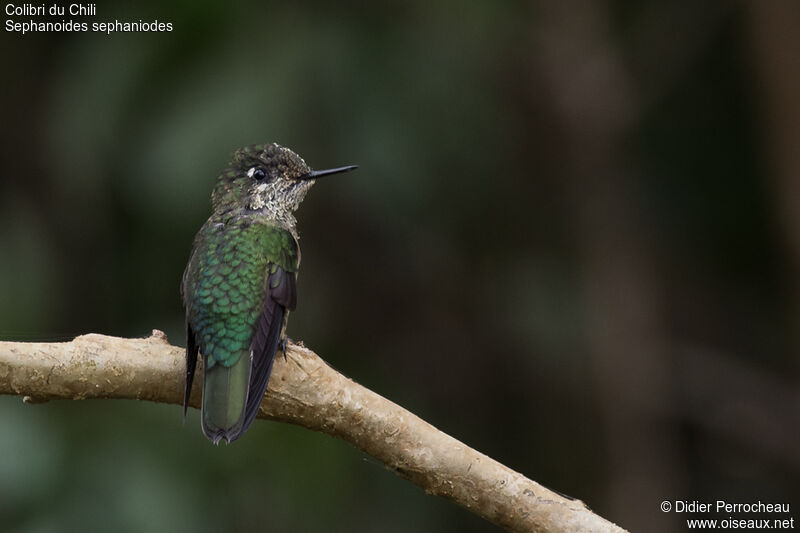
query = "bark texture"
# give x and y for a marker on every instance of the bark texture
(303, 390)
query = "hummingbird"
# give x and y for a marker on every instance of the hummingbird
(241, 283)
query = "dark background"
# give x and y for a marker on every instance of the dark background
(573, 243)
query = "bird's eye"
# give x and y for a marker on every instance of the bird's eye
(257, 173)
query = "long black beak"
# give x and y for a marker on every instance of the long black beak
(314, 174)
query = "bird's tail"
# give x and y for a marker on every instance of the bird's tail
(225, 398)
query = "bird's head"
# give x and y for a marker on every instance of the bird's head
(269, 180)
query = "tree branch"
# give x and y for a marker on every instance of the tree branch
(303, 390)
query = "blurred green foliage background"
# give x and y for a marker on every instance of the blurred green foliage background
(573, 243)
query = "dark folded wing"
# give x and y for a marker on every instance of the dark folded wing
(191, 364)
(281, 295)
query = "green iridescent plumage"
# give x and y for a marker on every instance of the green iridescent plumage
(227, 276)
(239, 284)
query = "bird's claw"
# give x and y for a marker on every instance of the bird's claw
(284, 346)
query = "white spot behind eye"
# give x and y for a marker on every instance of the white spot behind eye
(251, 172)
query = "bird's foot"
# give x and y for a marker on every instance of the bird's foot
(284, 345)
